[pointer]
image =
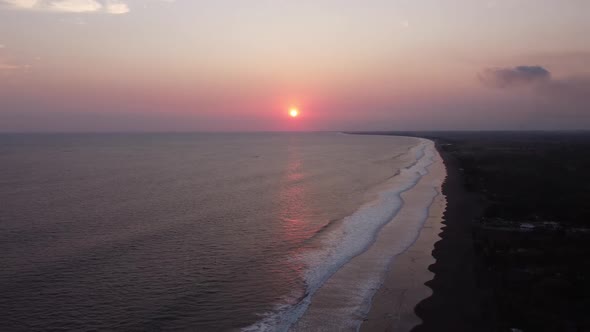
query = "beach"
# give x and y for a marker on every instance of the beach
(343, 300)
(444, 258)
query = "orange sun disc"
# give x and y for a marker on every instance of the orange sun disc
(293, 112)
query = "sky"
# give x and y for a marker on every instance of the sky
(220, 65)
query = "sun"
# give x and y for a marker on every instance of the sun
(293, 112)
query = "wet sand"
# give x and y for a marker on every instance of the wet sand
(404, 286)
(457, 301)
(349, 291)
(442, 259)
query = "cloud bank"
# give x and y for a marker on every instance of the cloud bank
(569, 95)
(71, 6)
(512, 77)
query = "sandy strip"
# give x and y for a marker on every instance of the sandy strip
(394, 303)
(343, 302)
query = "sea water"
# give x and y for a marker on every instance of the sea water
(190, 231)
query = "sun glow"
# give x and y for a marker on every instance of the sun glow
(293, 112)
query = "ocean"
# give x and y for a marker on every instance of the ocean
(201, 232)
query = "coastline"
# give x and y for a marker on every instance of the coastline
(344, 299)
(392, 307)
(436, 275)
(338, 294)
(456, 302)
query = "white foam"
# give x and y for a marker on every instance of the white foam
(355, 235)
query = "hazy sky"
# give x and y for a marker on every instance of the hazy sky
(165, 65)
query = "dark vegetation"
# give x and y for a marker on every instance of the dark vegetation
(531, 238)
(527, 176)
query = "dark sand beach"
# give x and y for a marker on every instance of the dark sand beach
(515, 242)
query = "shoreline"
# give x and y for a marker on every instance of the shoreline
(452, 299)
(392, 307)
(456, 301)
(405, 284)
(344, 299)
